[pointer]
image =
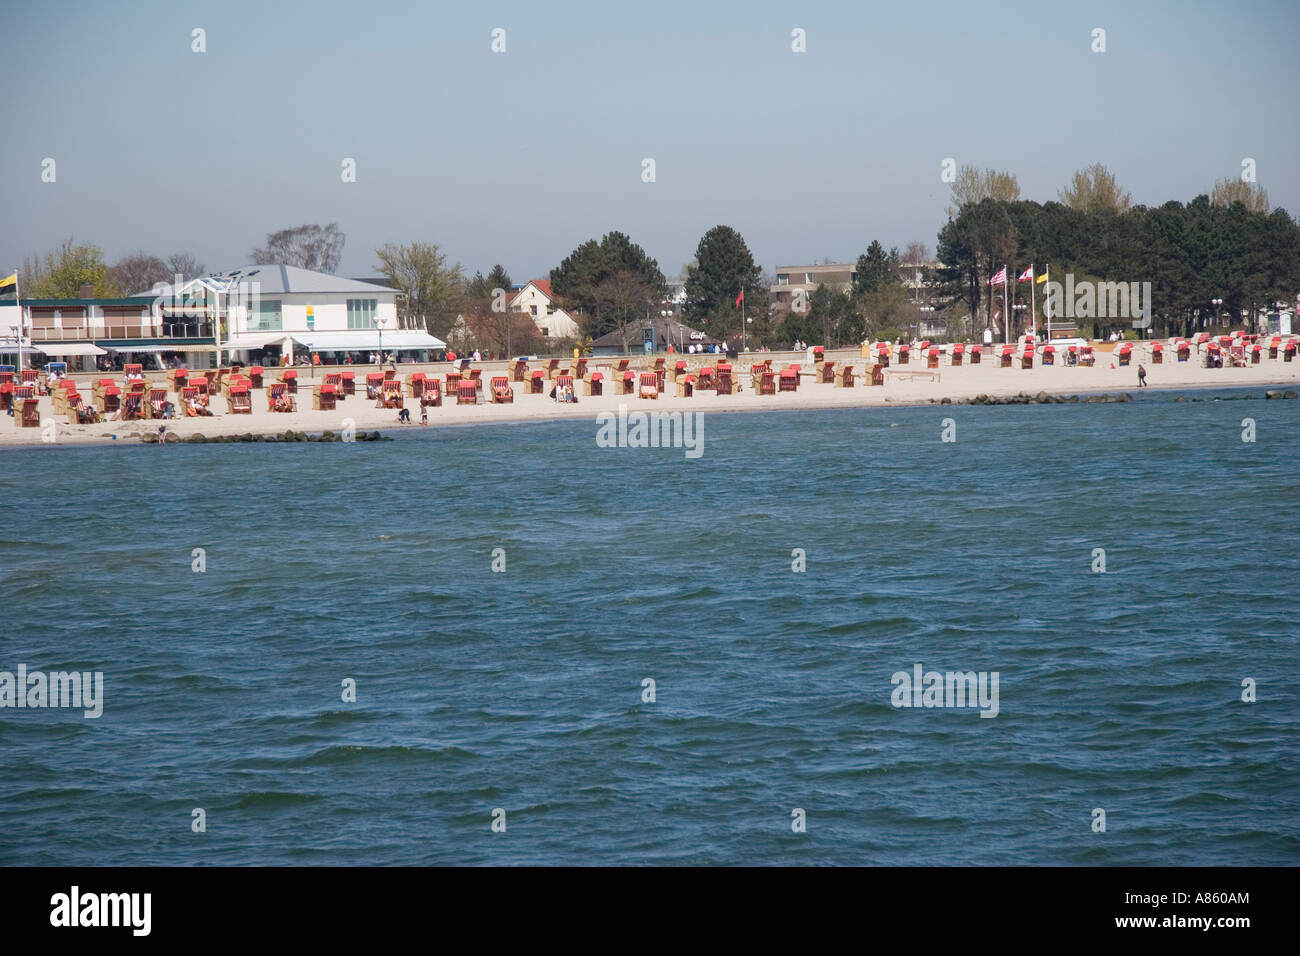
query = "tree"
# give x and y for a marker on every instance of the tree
(185, 265)
(974, 185)
(621, 297)
(62, 273)
(595, 279)
(482, 286)
(873, 270)
(917, 254)
(1251, 195)
(310, 246)
(139, 272)
(432, 291)
(1094, 189)
(723, 267)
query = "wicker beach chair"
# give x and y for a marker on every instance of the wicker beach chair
(844, 377)
(537, 382)
(432, 393)
(520, 371)
(29, 413)
(705, 378)
(789, 380)
(241, 400)
(280, 399)
(649, 385)
(390, 395)
(324, 397)
(766, 381)
(958, 353)
(502, 393)
(826, 372)
(466, 394)
(595, 383)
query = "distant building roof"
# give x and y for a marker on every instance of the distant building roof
(274, 280)
(666, 331)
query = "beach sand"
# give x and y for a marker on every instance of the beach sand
(955, 383)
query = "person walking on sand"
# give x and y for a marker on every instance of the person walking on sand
(1142, 377)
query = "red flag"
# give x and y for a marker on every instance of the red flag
(739, 299)
(1027, 275)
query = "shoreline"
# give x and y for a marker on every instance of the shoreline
(964, 385)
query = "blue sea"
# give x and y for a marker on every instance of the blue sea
(519, 695)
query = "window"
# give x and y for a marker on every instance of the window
(545, 332)
(533, 309)
(783, 278)
(267, 317)
(362, 312)
(808, 278)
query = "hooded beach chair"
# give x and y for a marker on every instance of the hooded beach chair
(256, 375)
(1125, 354)
(466, 394)
(241, 401)
(595, 383)
(649, 385)
(624, 381)
(520, 372)
(685, 386)
(1157, 353)
(349, 383)
(844, 376)
(375, 384)
(335, 379)
(502, 393)
(976, 353)
(537, 382)
(1008, 353)
(29, 413)
(580, 371)
(704, 379)
(290, 378)
(904, 354)
(432, 393)
(620, 367)
(882, 355)
(790, 378)
(932, 358)
(552, 369)
(109, 399)
(819, 356)
(724, 384)
(958, 353)
(414, 385)
(826, 372)
(280, 399)
(1049, 354)
(1027, 357)
(678, 369)
(155, 404)
(764, 380)
(390, 395)
(324, 397)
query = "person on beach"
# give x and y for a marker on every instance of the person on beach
(424, 415)
(404, 416)
(1142, 377)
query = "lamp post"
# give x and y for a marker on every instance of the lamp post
(379, 324)
(1216, 303)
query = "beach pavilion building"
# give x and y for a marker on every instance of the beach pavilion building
(265, 311)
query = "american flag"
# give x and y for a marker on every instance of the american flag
(1000, 278)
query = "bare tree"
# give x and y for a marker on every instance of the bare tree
(973, 185)
(917, 254)
(138, 272)
(1251, 195)
(185, 265)
(433, 291)
(1093, 189)
(310, 246)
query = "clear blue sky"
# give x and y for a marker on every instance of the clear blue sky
(518, 157)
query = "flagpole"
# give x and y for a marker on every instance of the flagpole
(1006, 319)
(1033, 302)
(742, 315)
(1047, 313)
(18, 301)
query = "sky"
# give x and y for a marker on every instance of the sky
(517, 157)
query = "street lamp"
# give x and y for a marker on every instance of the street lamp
(1216, 303)
(379, 324)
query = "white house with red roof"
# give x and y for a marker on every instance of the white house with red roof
(537, 299)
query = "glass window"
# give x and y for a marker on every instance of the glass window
(266, 317)
(362, 312)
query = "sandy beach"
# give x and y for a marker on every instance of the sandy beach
(911, 384)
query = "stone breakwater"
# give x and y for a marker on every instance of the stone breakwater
(151, 438)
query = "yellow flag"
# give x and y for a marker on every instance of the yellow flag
(8, 281)
(1041, 278)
